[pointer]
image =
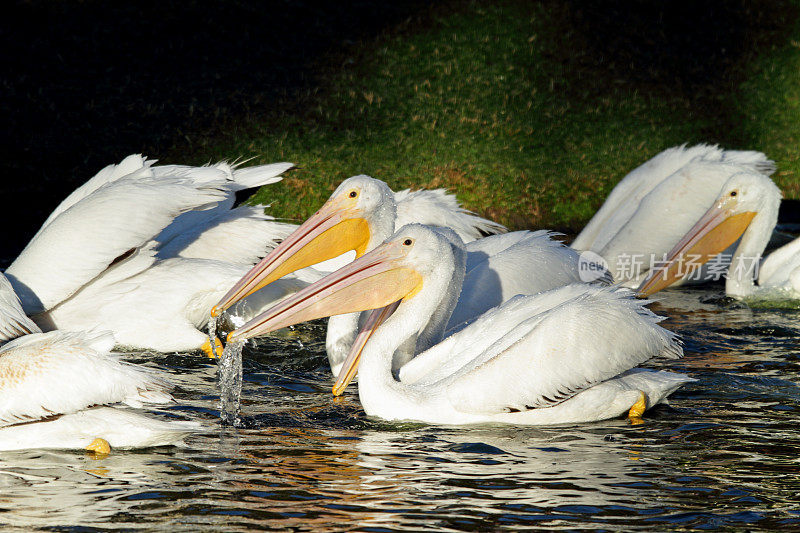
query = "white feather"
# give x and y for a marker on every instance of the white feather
(557, 352)
(437, 207)
(43, 374)
(656, 204)
(121, 428)
(13, 321)
(243, 235)
(781, 270)
(89, 266)
(86, 238)
(624, 199)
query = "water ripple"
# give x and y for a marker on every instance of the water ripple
(724, 455)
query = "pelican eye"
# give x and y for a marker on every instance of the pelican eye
(408, 242)
(353, 194)
(733, 193)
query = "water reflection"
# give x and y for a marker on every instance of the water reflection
(47, 489)
(490, 473)
(725, 454)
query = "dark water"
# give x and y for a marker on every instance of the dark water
(725, 454)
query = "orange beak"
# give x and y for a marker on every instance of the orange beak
(716, 230)
(376, 280)
(350, 365)
(328, 233)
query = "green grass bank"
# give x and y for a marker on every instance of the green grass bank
(531, 112)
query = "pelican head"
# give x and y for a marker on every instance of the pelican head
(393, 273)
(744, 197)
(358, 216)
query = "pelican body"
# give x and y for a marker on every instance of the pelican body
(779, 274)
(563, 356)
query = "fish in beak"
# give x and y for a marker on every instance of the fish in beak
(716, 230)
(374, 281)
(333, 230)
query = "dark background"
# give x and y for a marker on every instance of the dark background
(86, 83)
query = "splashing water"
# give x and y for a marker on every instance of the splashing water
(229, 378)
(212, 334)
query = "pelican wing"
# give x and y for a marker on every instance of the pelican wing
(553, 355)
(258, 175)
(533, 264)
(438, 208)
(218, 233)
(624, 200)
(238, 178)
(478, 251)
(88, 236)
(465, 343)
(13, 321)
(135, 165)
(149, 303)
(626, 195)
(243, 235)
(677, 202)
(43, 374)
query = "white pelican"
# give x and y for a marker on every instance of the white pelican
(117, 253)
(563, 356)
(49, 383)
(744, 213)
(363, 212)
(657, 203)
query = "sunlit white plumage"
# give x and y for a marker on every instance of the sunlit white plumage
(780, 271)
(164, 303)
(649, 211)
(97, 259)
(241, 235)
(564, 356)
(436, 207)
(523, 262)
(49, 380)
(59, 373)
(158, 304)
(121, 428)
